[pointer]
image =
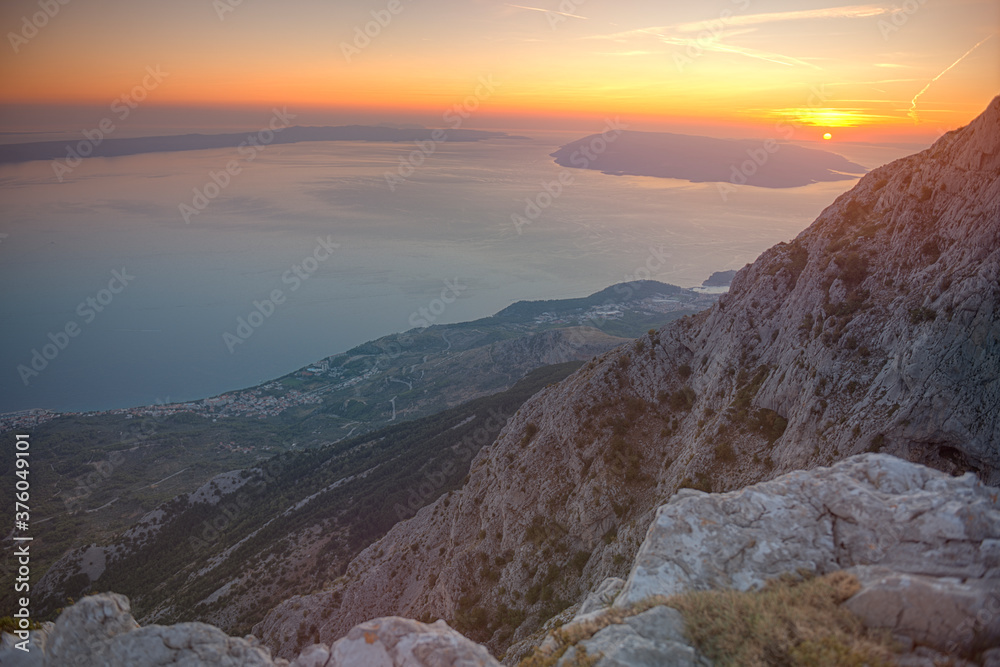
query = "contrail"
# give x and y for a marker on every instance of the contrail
(547, 11)
(912, 113)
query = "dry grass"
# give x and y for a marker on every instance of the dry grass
(792, 621)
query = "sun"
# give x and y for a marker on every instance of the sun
(828, 136)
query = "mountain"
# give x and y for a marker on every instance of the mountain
(248, 538)
(860, 563)
(763, 163)
(875, 330)
(247, 144)
(124, 490)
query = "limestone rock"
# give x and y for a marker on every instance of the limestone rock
(602, 596)
(872, 509)
(947, 614)
(654, 638)
(925, 546)
(99, 631)
(401, 642)
(317, 655)
(11, 656)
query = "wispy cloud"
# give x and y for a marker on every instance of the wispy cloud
(718, 45)
(852, 12)
(721, 30)
(547, 11)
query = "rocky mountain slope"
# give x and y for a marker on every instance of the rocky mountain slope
(876, 329)
(247, 539)
(102, 473)
(904, 549)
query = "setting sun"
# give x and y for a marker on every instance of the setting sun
(828, 136)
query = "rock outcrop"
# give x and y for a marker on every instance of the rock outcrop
(401, 642)
(876, 329)
(925, 546)
(99, 631)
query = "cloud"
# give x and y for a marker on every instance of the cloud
(693, 34)
(716, 44)
(852, 12)
(547, 11)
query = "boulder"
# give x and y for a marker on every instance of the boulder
(99, 631)
(401, 642)
(924, 545)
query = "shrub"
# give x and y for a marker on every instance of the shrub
(579, 560)
(770, 424)
(922, 314)
(683, 399)
(724, 452)
(853, 269)
(530, 431)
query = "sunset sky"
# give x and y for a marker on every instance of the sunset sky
(860, 71)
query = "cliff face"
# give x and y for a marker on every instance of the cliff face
(875, 330)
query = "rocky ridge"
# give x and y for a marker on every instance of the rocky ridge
(923, 547)
(876, 329)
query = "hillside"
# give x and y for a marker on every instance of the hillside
(247, 539)
(876, 329)
(100, 473)
(860, 563)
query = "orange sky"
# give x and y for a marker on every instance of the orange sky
(861, 71)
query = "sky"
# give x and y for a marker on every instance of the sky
(861, 72)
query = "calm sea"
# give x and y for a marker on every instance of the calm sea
(157, 331)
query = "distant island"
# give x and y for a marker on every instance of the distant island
(107, 147)
(763, 163)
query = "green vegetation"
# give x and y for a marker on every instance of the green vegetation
(10, 624)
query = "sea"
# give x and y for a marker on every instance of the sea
(165, 277)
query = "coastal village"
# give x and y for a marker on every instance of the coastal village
(339, 372)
